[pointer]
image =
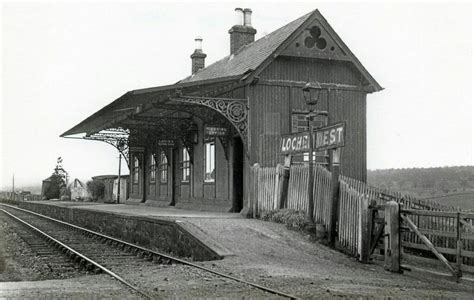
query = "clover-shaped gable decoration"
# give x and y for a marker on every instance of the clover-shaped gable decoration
(315, 42)
(315, 38)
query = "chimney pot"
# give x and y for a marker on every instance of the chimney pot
(198, 43)
(198, 57)
(248, 17)
(239, 16)
(242, 33)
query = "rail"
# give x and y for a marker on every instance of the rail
(152, 253)
(74, 253)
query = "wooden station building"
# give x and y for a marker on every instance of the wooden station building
(191, 144)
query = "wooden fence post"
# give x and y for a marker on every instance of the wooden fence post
(283, 180)
(392, 236)
(251, 194)
(458, 247)
(254, 189)
(276, 188)
(364, 234)
(334, 212)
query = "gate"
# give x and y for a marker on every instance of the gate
(376, 225)
(428, 236)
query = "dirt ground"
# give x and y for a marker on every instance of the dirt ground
(24, 274)
(290, 261)
(263, 252)
(18, 261)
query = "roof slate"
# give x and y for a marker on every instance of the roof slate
(248, 57)
(231, 68)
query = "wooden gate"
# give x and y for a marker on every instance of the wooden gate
(448, 236)
(376, 228)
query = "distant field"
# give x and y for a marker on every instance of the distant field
(463, 200)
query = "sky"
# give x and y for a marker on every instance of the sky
(61, 62)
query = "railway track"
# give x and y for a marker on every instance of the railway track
(50, 263)
(98, 253)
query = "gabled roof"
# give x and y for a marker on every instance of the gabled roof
(48, 179)
(242, 66)
(249, 57)
(253, 57)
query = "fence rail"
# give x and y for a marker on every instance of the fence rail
(354, 199)
(322, 195)
(348, 229)
(449, 235)
(267, 179)
(298, 187)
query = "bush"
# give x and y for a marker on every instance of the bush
(293, 219)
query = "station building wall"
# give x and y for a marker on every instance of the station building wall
(195, 193)
(279, 91)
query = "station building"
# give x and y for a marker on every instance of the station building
(191, 144)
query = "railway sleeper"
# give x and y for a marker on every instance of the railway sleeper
(82, 262)
(89, 267)
(140, 254)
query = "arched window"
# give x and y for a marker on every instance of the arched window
(163, 166)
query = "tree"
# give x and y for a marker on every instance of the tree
(58, 182)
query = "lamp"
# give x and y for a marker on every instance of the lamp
(307, 93)
(310, 117)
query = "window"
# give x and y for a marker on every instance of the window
(210, 162)
(152, 168)
(163, 166)
(185, 166)
(299, 123)
(136, 169)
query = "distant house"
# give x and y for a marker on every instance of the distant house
(123, 188)
(111, 187)
(78, 190)
(45, 185)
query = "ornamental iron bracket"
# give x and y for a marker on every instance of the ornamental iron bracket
(234, 110)
(117, 137)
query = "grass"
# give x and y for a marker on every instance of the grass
(293, 219)
(463, 200)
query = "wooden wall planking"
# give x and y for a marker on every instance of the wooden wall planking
(305, 69)
(274, 101)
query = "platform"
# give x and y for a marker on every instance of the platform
(272, 255)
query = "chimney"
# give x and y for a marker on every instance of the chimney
(242, 33)
(198, 57)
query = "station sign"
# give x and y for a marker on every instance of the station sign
(212, 131)
(330, 137)
(325, 138)
(166, 143)
(294, 143)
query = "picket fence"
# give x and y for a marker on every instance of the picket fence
(267, 190)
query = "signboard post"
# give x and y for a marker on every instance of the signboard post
(310, 214)
(324, 138)
(334, 215)
(331, 138)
